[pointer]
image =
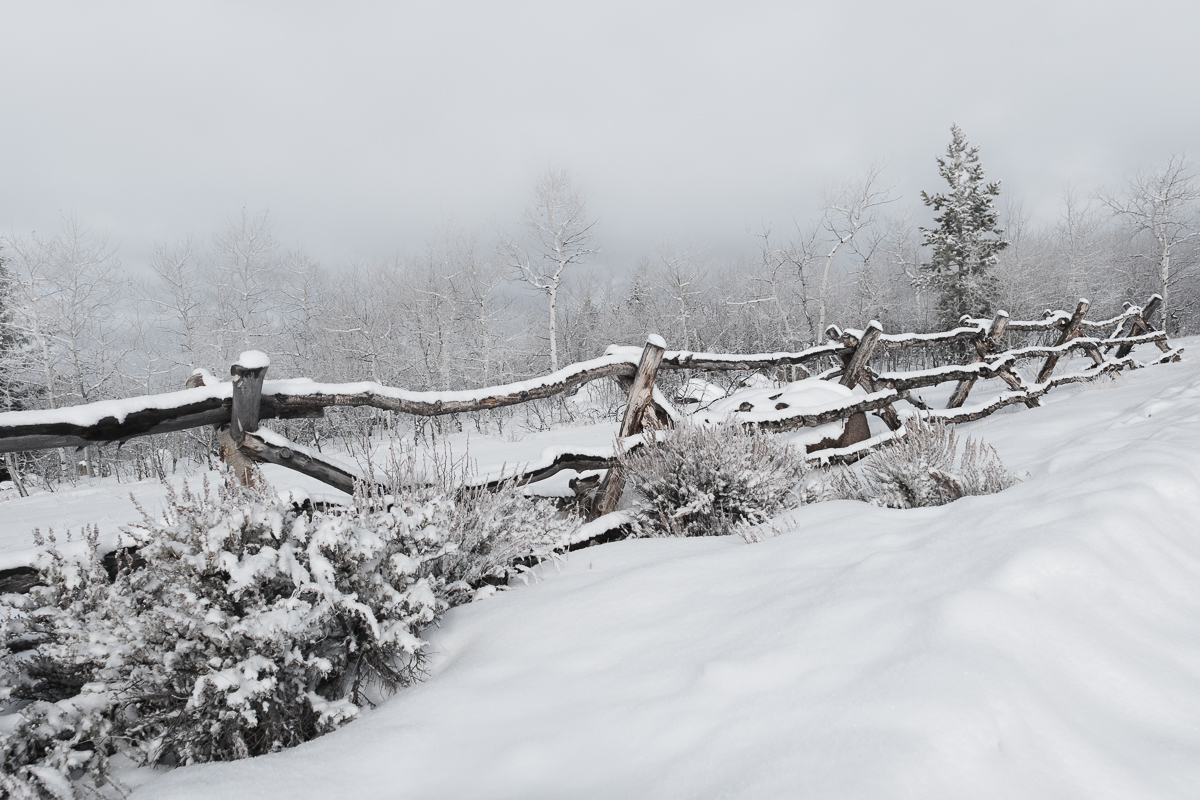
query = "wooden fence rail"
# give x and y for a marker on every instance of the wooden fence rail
(236, 408)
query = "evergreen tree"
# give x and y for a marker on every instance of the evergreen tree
(13, 391)
(966, 240)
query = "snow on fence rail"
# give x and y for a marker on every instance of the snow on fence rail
(236, 407)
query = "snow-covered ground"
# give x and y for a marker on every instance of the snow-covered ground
(1042, 642)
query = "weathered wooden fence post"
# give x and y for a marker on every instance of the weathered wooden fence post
(640, 403)
(1068, 333)
(1141, 324)
(856, 369)
(985, 345)
(248, 373)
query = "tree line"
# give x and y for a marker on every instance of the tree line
(476, 307)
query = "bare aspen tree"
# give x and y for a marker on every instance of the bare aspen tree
(848, 208)
(181, 295)
(782, 283)
(1021, 270)
(304, 297)
(365, 320)
(558, 235)
(14, 350)
(913, 308)
(1075, 237)
(1163, 203)
(431, 313)
(473, 283)
(72, 287)
(868, 296)
(33, 319)
(681, 277)
(593, 316)
(245, 271)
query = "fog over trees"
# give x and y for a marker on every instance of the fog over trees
(482, 304)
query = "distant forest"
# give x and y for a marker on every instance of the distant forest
(483, 307)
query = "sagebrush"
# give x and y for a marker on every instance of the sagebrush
(696, 480)
(926, 467)
(253, 626)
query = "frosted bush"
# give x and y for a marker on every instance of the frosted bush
(253, 626)
(56, 750)
(273, 622)
(59, 741)
(924, 468)
(497, 534)
(495, 531)
(699, 480)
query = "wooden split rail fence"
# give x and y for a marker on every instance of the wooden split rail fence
(237, 407)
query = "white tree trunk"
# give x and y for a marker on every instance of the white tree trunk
(1166, 288)
(553, 292)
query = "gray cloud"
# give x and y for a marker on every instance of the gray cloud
(363, 126)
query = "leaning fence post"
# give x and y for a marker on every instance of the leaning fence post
(248, 373)
(1068, 333)
(1141, 324)
(1128, 326)
(985, 345)
(857, 364)
(640, 401)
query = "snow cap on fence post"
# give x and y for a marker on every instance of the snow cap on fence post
(252, 359)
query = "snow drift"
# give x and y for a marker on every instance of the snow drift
(1040, 642)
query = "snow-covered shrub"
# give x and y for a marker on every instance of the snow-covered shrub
(496, 534)
(253, 626)
(58, 739)
(924, 468)
(56, 750)
(259, 627)
(699, 480)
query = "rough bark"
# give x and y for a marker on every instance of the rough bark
(856, 369)
(312, 465)
(640, 402)
(1068, 333)
(985, 344)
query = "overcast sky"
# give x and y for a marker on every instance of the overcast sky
(364, 126)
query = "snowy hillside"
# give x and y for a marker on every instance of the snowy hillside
(1041, 642)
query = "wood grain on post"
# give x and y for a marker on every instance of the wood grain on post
(641, 401)
(248, 373)
(986, 344)
(856, 367)
(1131, 326)
(996, 332)
(1141, 324)
(1068, 333)
(886, 413)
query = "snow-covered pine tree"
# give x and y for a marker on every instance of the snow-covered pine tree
(966, 241)
(13, 391)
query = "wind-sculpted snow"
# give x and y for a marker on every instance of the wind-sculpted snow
(1040, 642)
